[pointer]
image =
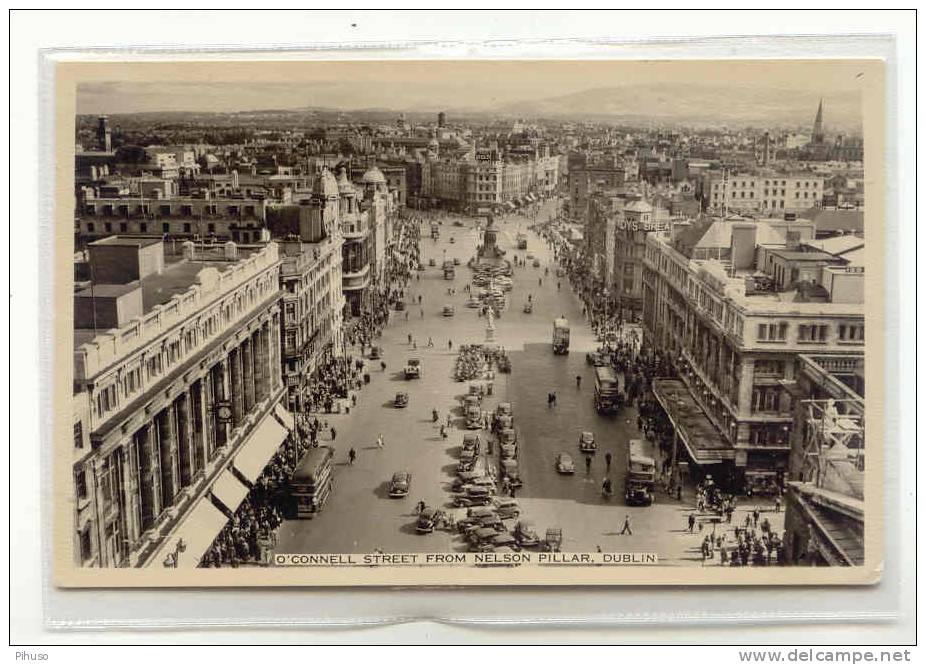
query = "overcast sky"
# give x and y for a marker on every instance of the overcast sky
(429, 86)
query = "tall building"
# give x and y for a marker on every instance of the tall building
(177, 394)
(733, 303)
(441, 119)
(765, 191)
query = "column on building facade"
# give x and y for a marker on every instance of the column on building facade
(207, 413)
(237, 385)
(167, 451)
(747, 371)
(149, 476)
(258, 366)
(186, 440)
(127, 455)
(275, 352)
(220, 392)
(247, 374)
(198, 417)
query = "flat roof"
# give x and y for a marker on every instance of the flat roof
(793, 255)
(108, 290)
(123, 241)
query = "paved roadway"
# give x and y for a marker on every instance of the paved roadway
(360, 516)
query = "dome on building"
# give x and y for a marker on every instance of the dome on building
(374, 176)
(345, 187)
(325, 185)
(433, 144)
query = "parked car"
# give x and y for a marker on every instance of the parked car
(400, 305)
(432, 262)
(473, 303)
(526, 534)
(447, 310)
(506, 508)
(565, 463)
(399, 485)
(509, 469)
(401, 400)
(597, 358)
(456, 261)
(427, 519)
(474, 495)
(507, 436)
(375, 353)
(471, 442)
(587, 442)
(536, 263)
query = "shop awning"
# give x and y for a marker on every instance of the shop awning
(194, 534)
(264, 441)
(229, 491)
(704, 442)
(285, 416)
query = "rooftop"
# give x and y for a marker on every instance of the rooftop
(124, 241)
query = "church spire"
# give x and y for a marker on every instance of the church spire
(817, 136)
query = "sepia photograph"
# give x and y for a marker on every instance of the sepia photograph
(477, 322)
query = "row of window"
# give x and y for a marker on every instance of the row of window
(107, 398)
(775, 183)
(109, 210)
(810, 332)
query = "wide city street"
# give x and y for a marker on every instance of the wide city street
(360, 516)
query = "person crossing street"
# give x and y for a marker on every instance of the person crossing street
(626, 528)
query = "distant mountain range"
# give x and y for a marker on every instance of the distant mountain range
(694, 104)
(697, 104)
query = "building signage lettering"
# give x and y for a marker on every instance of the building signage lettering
(625, 225)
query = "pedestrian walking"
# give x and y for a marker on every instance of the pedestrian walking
(578, 381)
(691, 522)
(409, 338)
(334, 433)
(450, 344)
(588, 464)
(382, 366)
(351, 456)
(626, 528)
(755, 516)
(430, 342)
(511, 491)
(777, 504)
(380, 443)
(554, 398)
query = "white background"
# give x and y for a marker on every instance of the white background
(442, 31)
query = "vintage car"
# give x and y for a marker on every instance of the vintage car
(401, 400)
(505, 539)
(530, 256)
(428, 519)
(400, 305)
(587, 442)
(399, 485)
(452, 239)
(467, 461)
(528, 308)
(536, 263)
(471, 442)
(560, 272)
(508, 451)
(473, 303)
(506, 508)
(473, 496)
(473, 479)
(447, 310)
(526, 534)
(479, 511)
(504, 408)
(510, 470)
(375, 353)
(456, 261)
(507, 436)
(469, 524)
(432, 262)
(473, 416)
(503, 422)
(413, 368)
(564, 463)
